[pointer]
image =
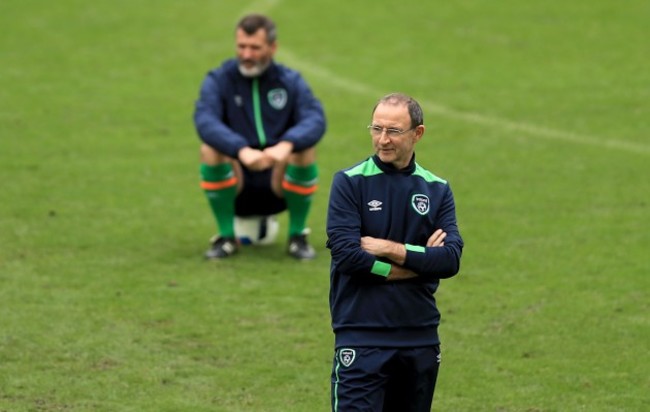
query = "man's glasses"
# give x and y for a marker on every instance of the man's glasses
(377, 131)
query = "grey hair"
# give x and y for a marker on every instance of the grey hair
(399, 99)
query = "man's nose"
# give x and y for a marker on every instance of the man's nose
(246, 53)
(383, 137)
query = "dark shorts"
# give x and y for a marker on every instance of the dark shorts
(384, 379)
(257, 198)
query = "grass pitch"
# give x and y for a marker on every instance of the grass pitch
(537, 114)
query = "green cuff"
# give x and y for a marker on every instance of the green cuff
(414, 248)
(380, 268)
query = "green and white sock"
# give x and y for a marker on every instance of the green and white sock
(299, 185)
(220, 185)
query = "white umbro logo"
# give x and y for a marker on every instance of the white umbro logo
(374, 205)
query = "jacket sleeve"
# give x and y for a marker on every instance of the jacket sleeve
(439, 262)
(309, 118)
(208, 115)
(344, 229)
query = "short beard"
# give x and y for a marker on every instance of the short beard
(254, 71)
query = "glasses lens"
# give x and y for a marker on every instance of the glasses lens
(390, 132)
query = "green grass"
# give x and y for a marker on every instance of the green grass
(538, 115)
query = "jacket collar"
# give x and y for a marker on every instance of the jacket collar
(389, 168)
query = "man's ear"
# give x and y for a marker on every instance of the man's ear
(419, 132)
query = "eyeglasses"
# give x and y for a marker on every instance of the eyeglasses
(377, 131)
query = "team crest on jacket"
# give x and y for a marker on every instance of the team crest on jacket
(277, 98)
(420, 203)
(346, 356)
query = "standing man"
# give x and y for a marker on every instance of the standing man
(259, 123)
(392, 232)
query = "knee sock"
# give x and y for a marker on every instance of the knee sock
(299, 185)
(220, 186)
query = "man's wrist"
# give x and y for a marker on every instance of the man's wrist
(397, 253)
(381, 268)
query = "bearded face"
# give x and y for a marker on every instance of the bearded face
(254, 52)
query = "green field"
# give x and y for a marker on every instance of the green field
(538, 114)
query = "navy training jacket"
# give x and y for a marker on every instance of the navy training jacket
(406, 206)
(225, 116)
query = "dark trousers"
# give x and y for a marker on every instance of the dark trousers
(257, 197)
(384, 379)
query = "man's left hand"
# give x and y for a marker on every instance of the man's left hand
(280, 152)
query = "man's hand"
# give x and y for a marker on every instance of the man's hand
(400, 273)
(280, 152)
(254, 159)
(437, 239)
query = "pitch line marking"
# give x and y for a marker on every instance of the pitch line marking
(467, 117)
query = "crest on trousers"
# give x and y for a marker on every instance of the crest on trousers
(420, 203)
(346, 356)
(278, 98)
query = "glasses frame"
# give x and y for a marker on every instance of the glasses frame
(390, 131)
